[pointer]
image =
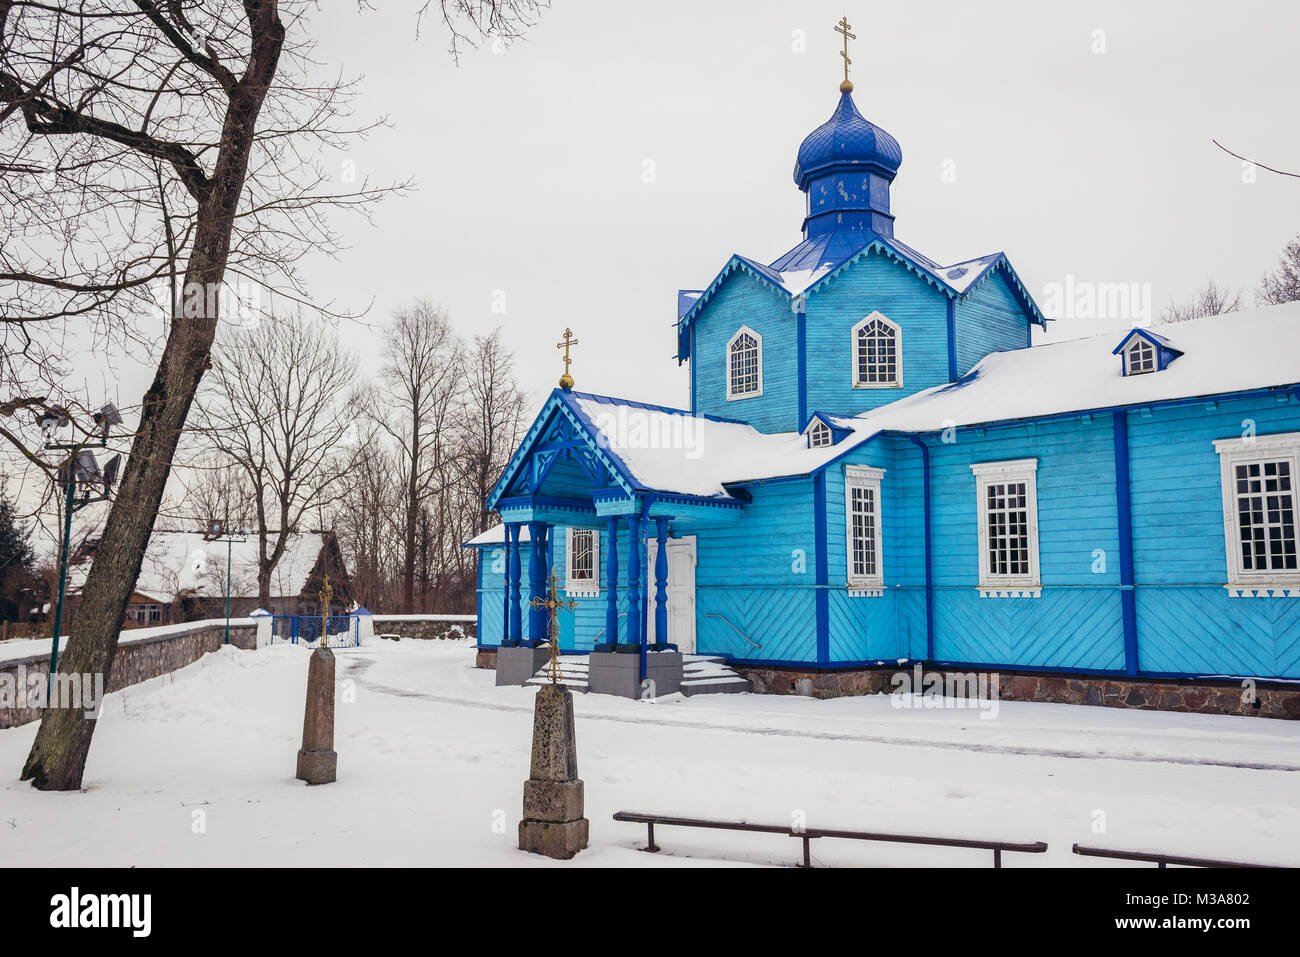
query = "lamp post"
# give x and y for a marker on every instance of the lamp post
(217, 532)
(80, 468)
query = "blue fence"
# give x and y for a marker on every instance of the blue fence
(341, 631)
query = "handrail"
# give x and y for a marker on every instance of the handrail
(733, 628)
(808, 834)
(1159, 859)
(606, 628)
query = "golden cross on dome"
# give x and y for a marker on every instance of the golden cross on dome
(554, 605)
(844, 27)
(566, 380)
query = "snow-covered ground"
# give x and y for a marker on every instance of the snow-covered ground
(432, 759)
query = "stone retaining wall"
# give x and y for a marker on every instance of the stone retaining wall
(421, 627)
(137, 659)
(1270, 699)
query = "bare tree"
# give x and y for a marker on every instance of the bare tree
(217, 490)
(280, 407)
(150, 142)
(367, 523)
(490, 420)
(1282, 285)
(413, 406)
(1210, 300)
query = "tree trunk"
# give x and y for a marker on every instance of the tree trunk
(58, 756)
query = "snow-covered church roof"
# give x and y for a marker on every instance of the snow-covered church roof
(673, 452)
(1237, 352)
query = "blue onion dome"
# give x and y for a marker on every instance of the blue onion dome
(848, 139)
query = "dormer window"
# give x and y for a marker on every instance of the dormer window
(877, 354)
(1139, 357)
(1143, 351)
(744, 364)
(822, 433)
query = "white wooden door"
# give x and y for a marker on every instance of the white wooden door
(680, 589)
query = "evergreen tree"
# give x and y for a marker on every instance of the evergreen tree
(16, 558)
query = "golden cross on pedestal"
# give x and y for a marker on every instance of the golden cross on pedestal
(844, 27)
(554, 605)
(566, 380)
(325, 594)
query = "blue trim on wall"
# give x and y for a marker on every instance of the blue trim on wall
(694, 403)
(801, 334)
(821, 595)
(929, 552)
(952, 340)
(1124, 509)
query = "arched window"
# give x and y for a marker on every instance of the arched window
(877, 354)
(1140, 357)
(744, 364)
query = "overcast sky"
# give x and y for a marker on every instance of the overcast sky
(1080, 137)
(531, 162)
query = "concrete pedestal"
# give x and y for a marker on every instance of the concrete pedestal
(553, 794)
(317, 761)
(516, 665)
(619, 674)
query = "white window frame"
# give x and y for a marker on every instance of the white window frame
(820, 435)
(581, 586)
(1028, 585)
(1282, 447)
(864, 477)
(753, 394)
(1138, 342)
(897, 381)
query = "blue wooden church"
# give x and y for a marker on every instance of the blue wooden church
(877, 466)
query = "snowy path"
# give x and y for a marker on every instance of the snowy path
(432, 759)
(360, 668)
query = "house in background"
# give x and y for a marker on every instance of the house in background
(183, 578)
(879, 468)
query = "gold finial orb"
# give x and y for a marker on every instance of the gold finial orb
(566, 382)
(846, 86)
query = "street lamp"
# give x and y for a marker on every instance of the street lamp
(81, 468)
(217, 533)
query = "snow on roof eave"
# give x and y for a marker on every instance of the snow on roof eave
(1152, 337)
(556, 401)
(845, 446)
(891, 248)
(566, 400)
(736, 261)
(1101, 410)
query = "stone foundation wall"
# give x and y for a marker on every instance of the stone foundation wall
(136, 660)
(486, 658)
(421, 627)
(1271, 699)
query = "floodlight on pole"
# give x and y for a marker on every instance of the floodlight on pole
(81, 467)
(217, 533)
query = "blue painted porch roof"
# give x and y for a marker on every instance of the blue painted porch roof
(655, 450)
(804, 269)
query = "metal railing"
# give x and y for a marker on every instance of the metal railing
(734, 628)
(606, 628)
(341, 631)
(808, 834)
(1160, 860)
